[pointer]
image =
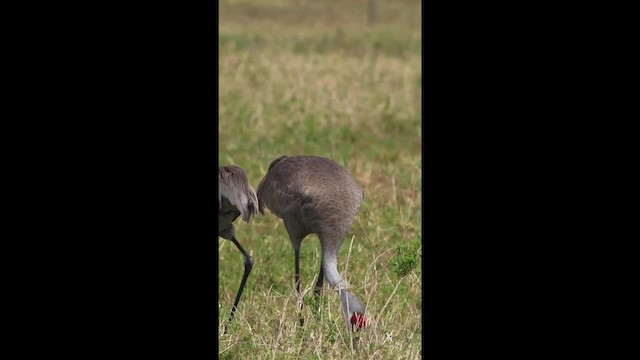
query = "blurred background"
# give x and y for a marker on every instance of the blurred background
(338, 79)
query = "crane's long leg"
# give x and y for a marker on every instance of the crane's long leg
(318, 290)
(248, 265)
(320, 282)
(297, 261)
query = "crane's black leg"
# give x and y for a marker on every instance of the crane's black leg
(297, 260)
(297, 254)
(318, 290)
(320, 282)
(248, 265)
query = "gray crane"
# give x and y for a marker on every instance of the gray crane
(315, 195)
(236, 198)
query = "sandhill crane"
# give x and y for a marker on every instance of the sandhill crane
(315, 195)
(236, 197)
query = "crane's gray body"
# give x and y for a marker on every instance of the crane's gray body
(312, 195)
(315, 195)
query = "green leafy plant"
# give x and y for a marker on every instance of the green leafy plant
(406, 258)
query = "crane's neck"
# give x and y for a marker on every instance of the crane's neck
(351, 304)
(349, 300)
(330, 267)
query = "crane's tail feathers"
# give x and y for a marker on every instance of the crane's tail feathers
(234, 185)
(260, 192)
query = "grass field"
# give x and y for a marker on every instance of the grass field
(311, 77)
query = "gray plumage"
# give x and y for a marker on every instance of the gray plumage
(236, 198)
(239, 197)
(315, 195)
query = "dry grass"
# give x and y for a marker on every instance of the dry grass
(296, 83)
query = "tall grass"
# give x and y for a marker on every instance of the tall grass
(310, 77)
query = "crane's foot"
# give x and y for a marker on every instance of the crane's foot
(300, 305)
(355, 342)
(225, 327)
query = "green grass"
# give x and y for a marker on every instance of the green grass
(310, 77)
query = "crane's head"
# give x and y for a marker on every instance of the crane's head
(358, 321)
(354, 310)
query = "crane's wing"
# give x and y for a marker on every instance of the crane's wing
(234, 185)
